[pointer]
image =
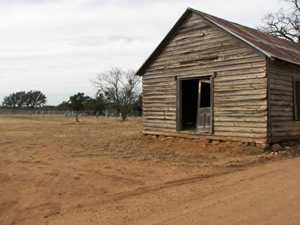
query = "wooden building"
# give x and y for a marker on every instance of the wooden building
(220, 80)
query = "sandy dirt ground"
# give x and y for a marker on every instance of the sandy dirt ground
(103, 171)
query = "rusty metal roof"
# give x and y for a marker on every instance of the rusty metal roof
(268, 45)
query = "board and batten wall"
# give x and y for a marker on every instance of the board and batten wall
(199, 48)
(282, 76)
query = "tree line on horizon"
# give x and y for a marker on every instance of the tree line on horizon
(119, 94)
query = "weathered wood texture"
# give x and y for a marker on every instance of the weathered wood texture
(240, 87)
(281, 100)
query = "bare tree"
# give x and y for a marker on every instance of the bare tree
(121, 88)
(284, 23)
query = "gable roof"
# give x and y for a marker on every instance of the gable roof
(270, 46)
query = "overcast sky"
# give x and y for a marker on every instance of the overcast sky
(58, 46)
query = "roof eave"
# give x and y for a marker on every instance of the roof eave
(269, 55)
(285, 60)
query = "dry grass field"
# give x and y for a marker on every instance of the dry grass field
(102, 171)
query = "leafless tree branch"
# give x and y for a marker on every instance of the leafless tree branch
(120, 87)
(285, 23)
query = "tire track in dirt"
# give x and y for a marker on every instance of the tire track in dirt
(213, 184)
(176, 183)
(236, 192)
(126, 180)
(155, 188)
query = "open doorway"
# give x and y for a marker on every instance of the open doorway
(195, 105)
(189, 96)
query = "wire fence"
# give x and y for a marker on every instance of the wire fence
(66, 113)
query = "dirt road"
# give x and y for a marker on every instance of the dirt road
(54, 171)
(267, 194)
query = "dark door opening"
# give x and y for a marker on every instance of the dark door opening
(189, 91)
(195, 104)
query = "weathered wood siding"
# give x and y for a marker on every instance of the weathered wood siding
(281, 81)
(240, 88)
